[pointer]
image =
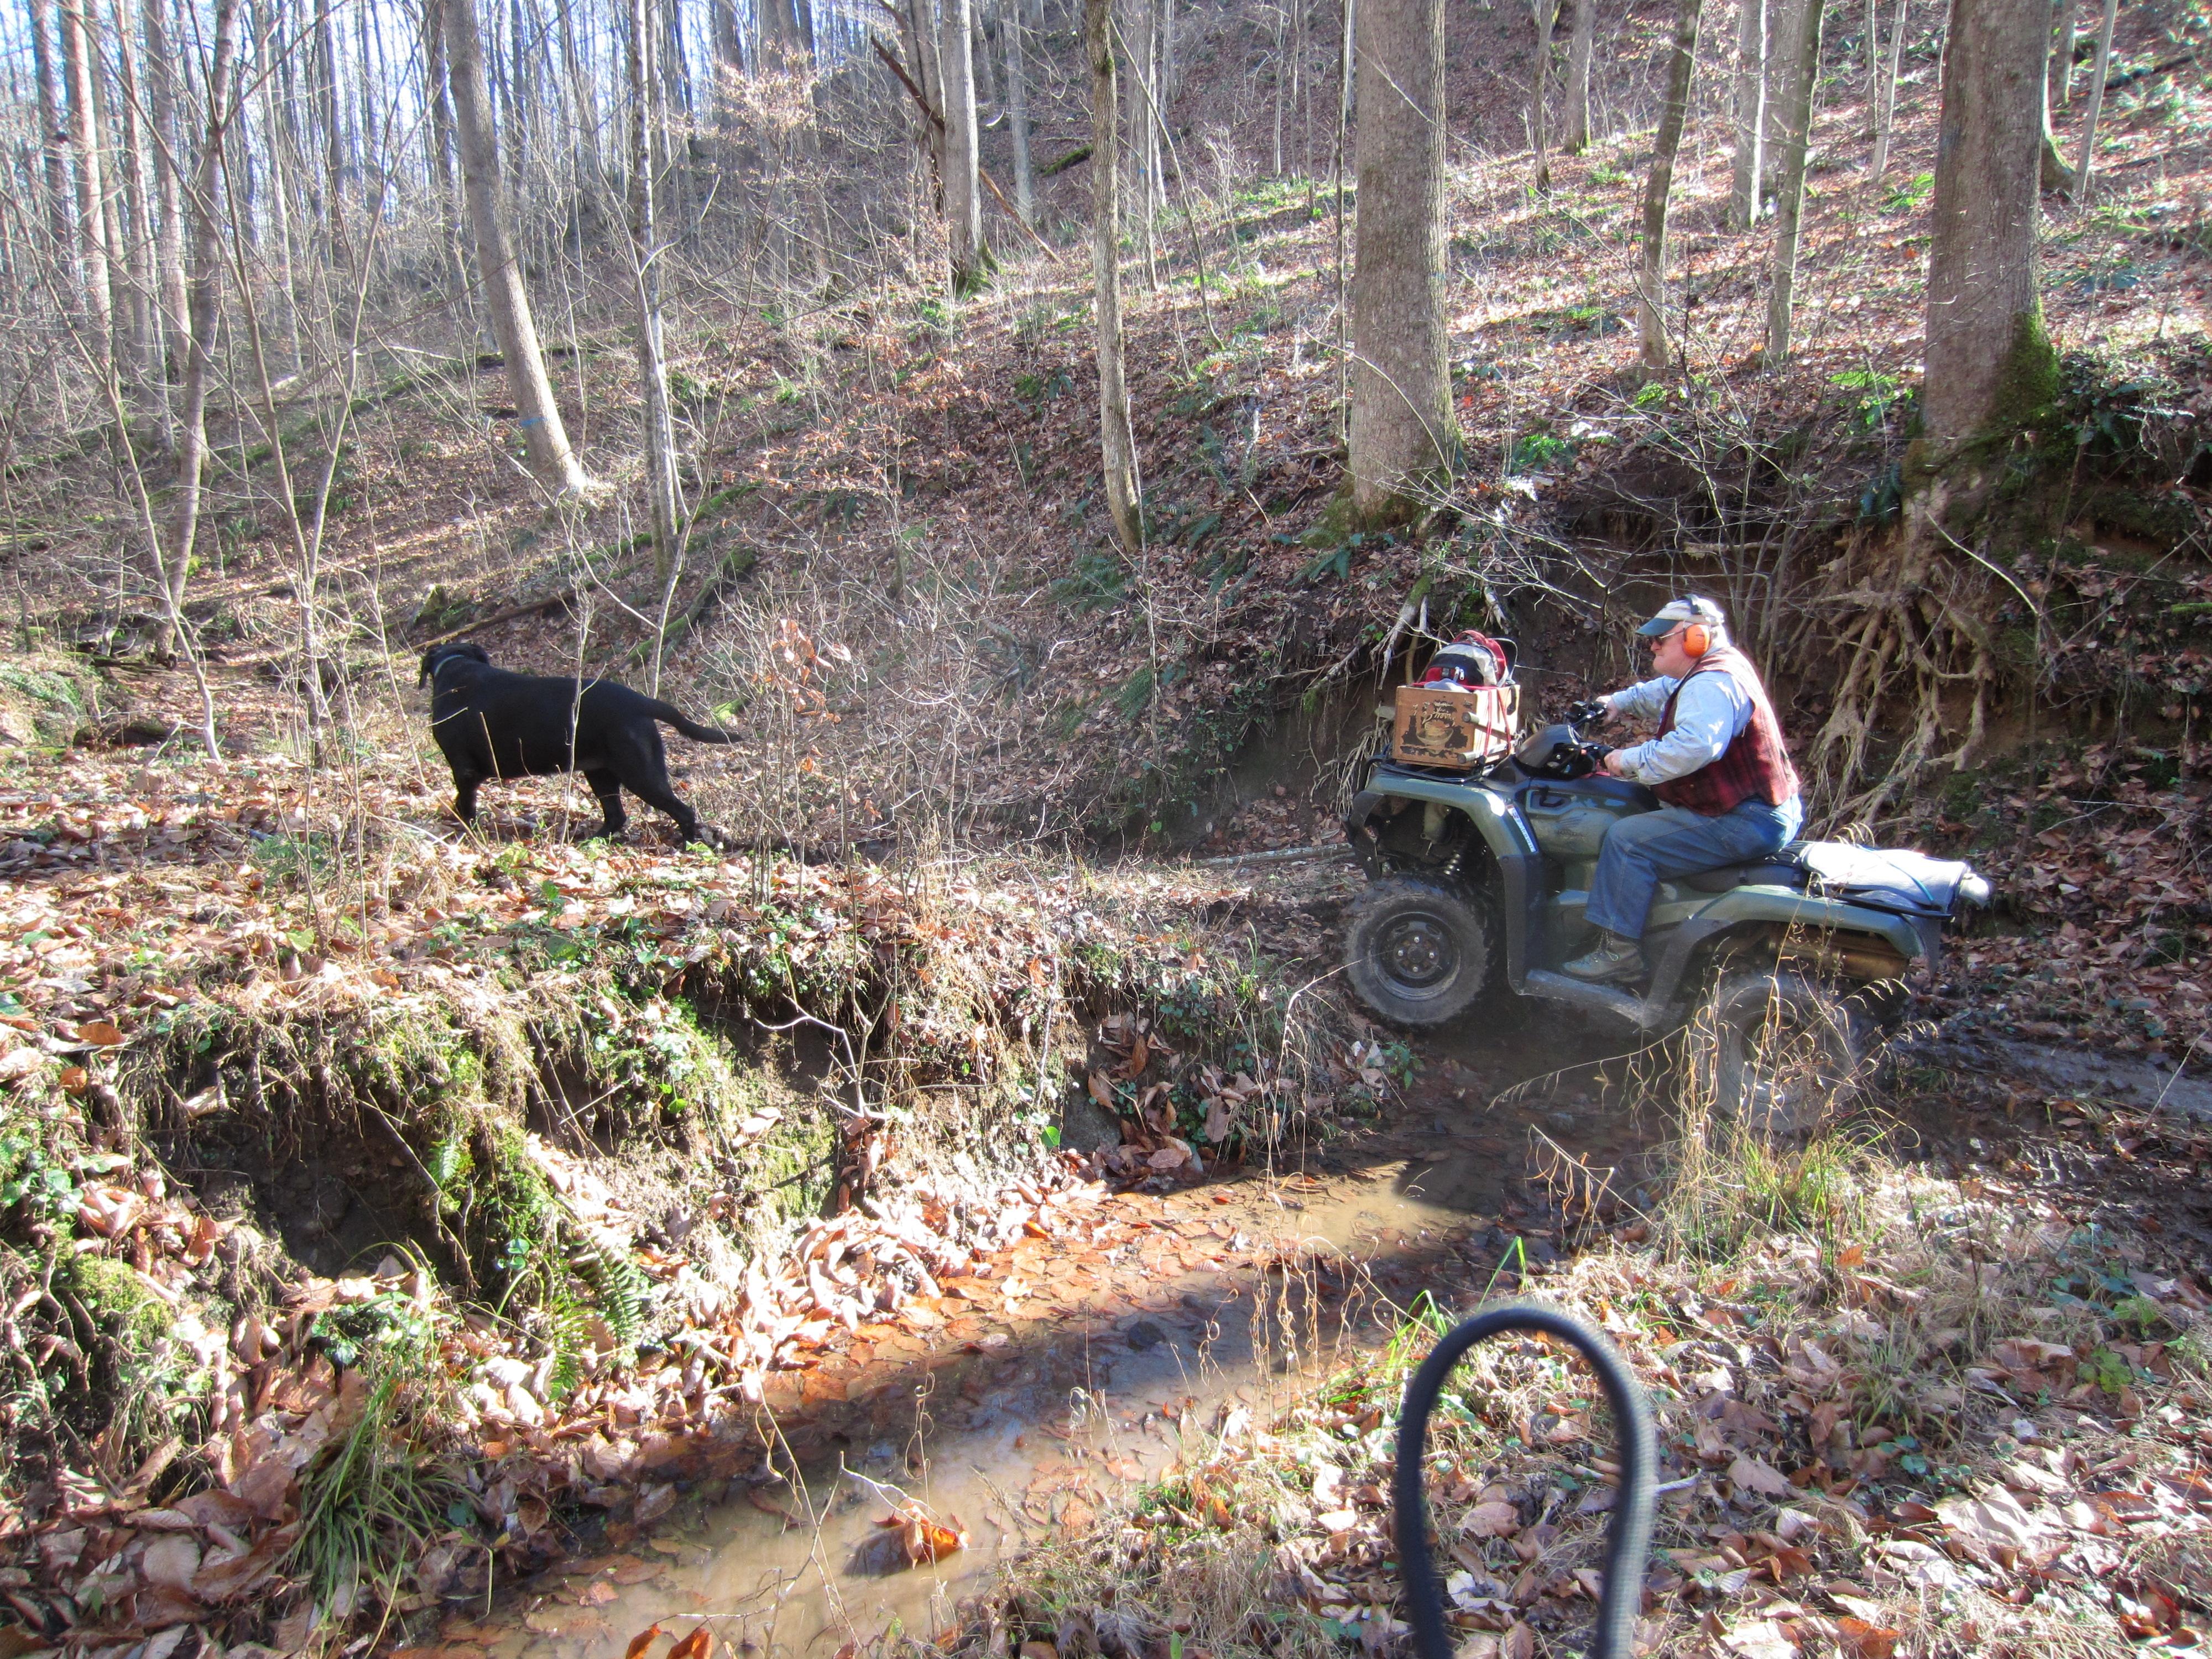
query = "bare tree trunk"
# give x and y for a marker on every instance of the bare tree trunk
(286, 192)
(1797, 136)
(551, 461)
(114, 170)
(2062, 60)
(520, 103)
(1785, 22)
(922, 17)
(168, 196)
(1887, 121)
(1345, 93)
(80, 63)
(205, 300)
(2096, 103)
(1403, 438)
(1873, 64)
(372, 91)
(729, 45)
(2053, 172)
(1144, 149)
(964, 190)
(985, 26)
(577, 95)
(1580, 45)
(1117, 438)
(1017, 114)
(1546, 14)
(53, 136)
(1748, 173)
(439, 136)
(1989, 363)
(1658, 186)
(143, 328)
(674, 62)
(325, 69)
(1279, 20)
(660, 429)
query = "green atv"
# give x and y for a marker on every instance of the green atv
(1791, 970)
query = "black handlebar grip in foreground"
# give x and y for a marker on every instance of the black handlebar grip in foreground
(1628, 1539)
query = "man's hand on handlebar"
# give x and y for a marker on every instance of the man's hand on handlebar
(1595, 711)
(1613, 765)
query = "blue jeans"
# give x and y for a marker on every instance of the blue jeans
(1641, 852)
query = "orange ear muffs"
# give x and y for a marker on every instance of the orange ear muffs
(1697, 640)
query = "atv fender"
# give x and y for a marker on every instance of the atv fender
(1745, 907)
(1496, 820)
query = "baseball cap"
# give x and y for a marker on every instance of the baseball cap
(1688, 609)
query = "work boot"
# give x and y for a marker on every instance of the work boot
(1615, 958)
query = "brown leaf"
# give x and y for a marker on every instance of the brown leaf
(1762, 1477)
(1861, 1640)
(1520, 1642)
(640, 1642)
(1101, 1091)
(928, 1540)
(699, 1644)
(100, 1033)
(1760, 1639)
(1491, 1521)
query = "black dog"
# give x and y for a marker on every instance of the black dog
(493, 724)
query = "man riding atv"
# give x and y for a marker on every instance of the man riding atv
(1490, 872)
(1719, 764)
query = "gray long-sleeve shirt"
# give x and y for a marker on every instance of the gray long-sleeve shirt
(1712, 708)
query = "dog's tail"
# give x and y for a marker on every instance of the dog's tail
(667, 714)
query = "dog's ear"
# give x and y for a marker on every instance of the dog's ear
(466, 650)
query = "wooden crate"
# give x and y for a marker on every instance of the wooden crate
(1454, 725)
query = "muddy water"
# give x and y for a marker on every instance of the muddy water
(1024, 1414)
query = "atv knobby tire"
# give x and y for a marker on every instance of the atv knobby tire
(1421, 951)
(1782, 1053)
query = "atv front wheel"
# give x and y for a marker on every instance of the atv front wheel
(1780, 1052)
(1420, 952)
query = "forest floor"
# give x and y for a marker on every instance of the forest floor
(1930, 1384)
(390, 1198)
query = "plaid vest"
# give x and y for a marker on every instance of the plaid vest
(1755, 766)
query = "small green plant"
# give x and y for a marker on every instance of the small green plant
(303, 857)
(1099, 581)
(1538, 452)
(1878, 392)
(1335, 562)
(371, 1503)
(1042, 387)
(1909, 194)
(30, 1175)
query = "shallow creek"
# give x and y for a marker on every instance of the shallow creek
(1069, 1371)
